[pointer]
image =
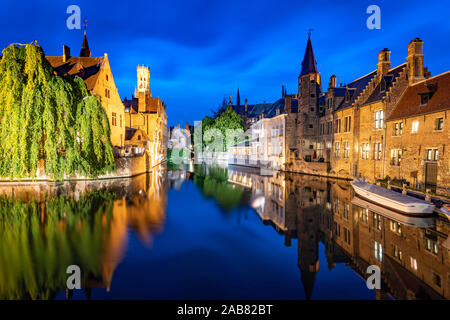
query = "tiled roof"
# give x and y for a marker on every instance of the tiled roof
(129, 133)
(86, 68)
(269, 109)
(355, 88)
(381, 89)
(409, 104)
(133, 103)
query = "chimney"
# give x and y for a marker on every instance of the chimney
(415, 61)
(66, 53)
(288, 104)
(245, 107)
(384, 63)
(332, 83)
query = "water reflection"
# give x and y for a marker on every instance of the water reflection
(44, 228)
(411, 252)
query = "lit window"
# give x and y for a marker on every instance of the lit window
(413, 264)
(114, 119)
(439, 123)
(379, 119)
(415, 127)
(378, 251)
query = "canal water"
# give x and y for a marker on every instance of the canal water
(214, 233)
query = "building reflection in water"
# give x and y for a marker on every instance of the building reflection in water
(412, 253)
(47, 227)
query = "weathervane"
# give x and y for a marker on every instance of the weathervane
(309, 32)
(85, 25)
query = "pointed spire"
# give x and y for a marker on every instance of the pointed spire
(309, 64)
(238, 99)
(308, 280)
(85, 52)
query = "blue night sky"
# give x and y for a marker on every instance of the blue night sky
(201, 50)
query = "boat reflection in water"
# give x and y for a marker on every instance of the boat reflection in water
(410, 251)
(46, 227)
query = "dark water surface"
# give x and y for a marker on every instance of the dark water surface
(215, 233)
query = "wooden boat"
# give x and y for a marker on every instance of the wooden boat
(391, 199)
(408, 220)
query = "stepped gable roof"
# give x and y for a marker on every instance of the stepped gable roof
(409, 104)
(87, 68)
(383, 88)
(355, 88)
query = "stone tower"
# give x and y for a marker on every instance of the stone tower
(143, 80)
(415, 61)
(309, 86)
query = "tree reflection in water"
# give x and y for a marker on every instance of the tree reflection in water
(46, 228)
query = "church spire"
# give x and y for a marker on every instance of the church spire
(309, 64)
(85, 52)
(238, 99)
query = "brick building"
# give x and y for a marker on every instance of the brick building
(418, 135)
(143, 112)
(97, 75)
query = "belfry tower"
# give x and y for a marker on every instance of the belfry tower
(143, 81)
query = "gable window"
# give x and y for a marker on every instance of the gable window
(114, 119)
(346, 149)
(437, 279)
(365, 151)
(337, 149)
(432, 154)
(397, 252)
(378, 251)
(377, 151)
(431, 246)
(396, 227)
(413, 263)
(348, 121)
(337, 127)
(439, 123)
(396, 157)
(415, 127)
(424, 98)
(322, 129)
(398, 128)
(329, 127)
(379, 119)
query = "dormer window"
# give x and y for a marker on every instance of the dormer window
(424, 98)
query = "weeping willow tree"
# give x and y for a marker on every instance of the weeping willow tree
(49, 120)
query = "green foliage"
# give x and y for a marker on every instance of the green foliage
(49, 119)
(225, 119)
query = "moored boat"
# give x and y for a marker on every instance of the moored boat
(391, 199)
(412, 221)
